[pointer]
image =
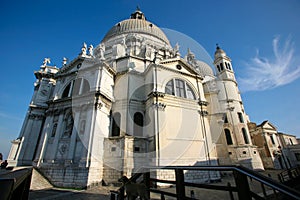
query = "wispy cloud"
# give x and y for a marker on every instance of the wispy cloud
(263, 73)
(8, 116)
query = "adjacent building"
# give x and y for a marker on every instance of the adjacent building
(277, 150)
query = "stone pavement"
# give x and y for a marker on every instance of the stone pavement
(69, 194)
(103, 193)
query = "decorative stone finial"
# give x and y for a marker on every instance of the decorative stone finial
(64, 61)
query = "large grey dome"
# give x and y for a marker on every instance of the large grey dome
(136, 24)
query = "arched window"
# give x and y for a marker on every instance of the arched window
(179, 85)
(85, 86)
(76, 87)
(245, 135)
(229, 67)
(170, 88)
(222, 67)
(116, 123)
(180, 88)
(228, 137)
(81, 86)
(66, 92)
(272, 139)
(241, 118)
(138, 120)
(226, 65)
(189, 92)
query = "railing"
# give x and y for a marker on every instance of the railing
(15, 183)
(242, 189)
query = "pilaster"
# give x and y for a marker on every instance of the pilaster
(73, 138)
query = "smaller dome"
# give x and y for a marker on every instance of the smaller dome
(219, 52)
(204, 69)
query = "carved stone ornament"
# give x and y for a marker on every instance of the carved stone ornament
(203, 103)
(203, 112)
(98, 105)
(63, 149)
(69, 123)
(158, 94)
(160, 106)
(36, 116)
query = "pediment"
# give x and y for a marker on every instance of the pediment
(71, 67)
(268, 125)
(179, 65)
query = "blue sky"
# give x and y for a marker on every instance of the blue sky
(261, 37)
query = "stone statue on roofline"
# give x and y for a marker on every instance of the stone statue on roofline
(176, 50)
(65, 60)
(83, 49)
(102, 49)
(91, 50)
(45, 62)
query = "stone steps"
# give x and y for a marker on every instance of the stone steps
(39, 182)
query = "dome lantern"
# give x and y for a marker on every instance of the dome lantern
(138, 14)
(137, 23)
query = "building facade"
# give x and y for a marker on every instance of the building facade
(277, 150)
(132, 101)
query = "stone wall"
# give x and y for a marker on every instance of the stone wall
(68, 177)
(123, 155)
(111, 175)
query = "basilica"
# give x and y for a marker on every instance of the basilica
(132, 101)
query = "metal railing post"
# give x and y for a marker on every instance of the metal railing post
(230, 191)
(146, 177)
(121, 195)
(180, 188)
(242, 186)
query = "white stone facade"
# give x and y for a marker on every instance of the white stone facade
(132, 101)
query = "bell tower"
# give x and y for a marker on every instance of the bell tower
(223, 65)
(235, 137)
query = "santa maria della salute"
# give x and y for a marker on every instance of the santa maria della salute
(134, 101)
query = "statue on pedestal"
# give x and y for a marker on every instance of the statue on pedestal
(45, 62)
(83, 49)
(91, 50)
